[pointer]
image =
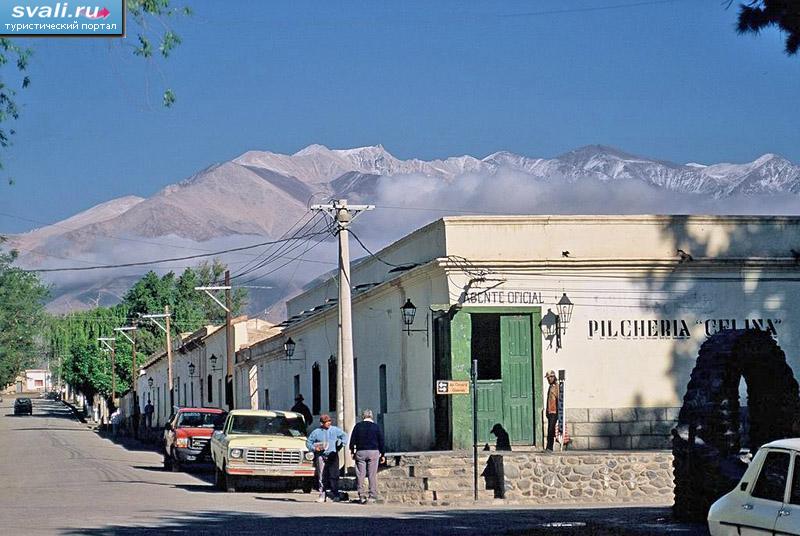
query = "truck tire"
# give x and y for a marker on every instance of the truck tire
(175, 465)
(219, 479)
(230, 482)
(308, 485)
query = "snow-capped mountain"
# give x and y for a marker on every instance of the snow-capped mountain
(263, 193)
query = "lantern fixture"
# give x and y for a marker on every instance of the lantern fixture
(288, 347)
(192, 368)
(213, 361)
(409, 311)
(564, 307)
(150, 382)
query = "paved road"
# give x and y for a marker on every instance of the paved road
(60, 477)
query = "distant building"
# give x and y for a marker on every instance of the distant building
(646, 292)
(35, 380)
(199, 368)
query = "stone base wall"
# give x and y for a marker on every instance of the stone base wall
(603, 478)
(444, 478)
(621, 428)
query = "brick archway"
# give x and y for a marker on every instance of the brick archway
(708, 437)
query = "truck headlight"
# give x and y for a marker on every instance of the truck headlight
(182, 442)
(236, 453)
(309, 456)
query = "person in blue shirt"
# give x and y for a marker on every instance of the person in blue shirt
(325, 442)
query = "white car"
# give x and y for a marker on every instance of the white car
(767, 499)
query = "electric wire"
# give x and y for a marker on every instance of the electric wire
(159, 261)
(284, 248)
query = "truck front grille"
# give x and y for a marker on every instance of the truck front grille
(273, 457)
(200, 442)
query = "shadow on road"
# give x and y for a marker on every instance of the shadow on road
(357, 519)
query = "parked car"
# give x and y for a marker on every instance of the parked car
(270, 445)
(187, 435)
(23, 406)
(767, 498)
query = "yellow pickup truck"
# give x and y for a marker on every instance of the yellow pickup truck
(269, 445)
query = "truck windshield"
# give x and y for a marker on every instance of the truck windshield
(261, 425)
(197, 419)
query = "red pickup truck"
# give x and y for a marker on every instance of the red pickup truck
(187, 435)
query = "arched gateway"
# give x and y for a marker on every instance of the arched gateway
(708, 438)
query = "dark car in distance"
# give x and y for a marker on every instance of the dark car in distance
(187, 436)
(23, 406)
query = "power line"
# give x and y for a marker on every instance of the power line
(371, 254)
(159, 261)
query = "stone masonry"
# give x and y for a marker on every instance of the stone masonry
(621, 428)
(442, 478)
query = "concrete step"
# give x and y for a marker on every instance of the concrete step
(448, 484)
(443, 471)
(462, 496)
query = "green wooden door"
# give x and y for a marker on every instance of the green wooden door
(490, 408)
(517, 384)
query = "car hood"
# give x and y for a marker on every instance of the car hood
(267, 441)
(194, 432)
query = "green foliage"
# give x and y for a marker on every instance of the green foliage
(784, 14)
(22, 317)
(74, 336)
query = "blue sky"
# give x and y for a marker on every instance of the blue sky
(666, 79)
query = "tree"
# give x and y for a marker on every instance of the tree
(785, 14)
(22, 318)
(74, 337)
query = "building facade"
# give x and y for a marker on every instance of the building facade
(646, 291)
(199, 368)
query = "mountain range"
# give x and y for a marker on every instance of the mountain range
(262, 193)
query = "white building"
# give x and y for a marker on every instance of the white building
(647, 291)
(199, 367)
(36, 380)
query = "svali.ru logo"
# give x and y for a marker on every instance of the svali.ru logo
(60, 11)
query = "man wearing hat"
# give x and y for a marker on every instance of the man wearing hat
(552, 408)
(302, 409)
(325, 443)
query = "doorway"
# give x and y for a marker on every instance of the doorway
(506, 343)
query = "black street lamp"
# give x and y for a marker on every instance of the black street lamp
(192, 368)
(554, 325)
(409, 311)
(213, 360)
(288, 347)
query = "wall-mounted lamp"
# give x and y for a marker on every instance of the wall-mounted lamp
(213, 361)
(289, 346)
(554, 325)
(409, 311)
(192, 368)
(564, 306)
(150, 382)
(288, 349)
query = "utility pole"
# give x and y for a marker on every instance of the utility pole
(228, 330)
(229, 342)
(343, 215)
(135, 408)
(169, 360)
(165, 328)
(113, 349)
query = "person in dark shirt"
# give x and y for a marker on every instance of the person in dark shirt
(302, 409)
(366, 444)
(503, 441)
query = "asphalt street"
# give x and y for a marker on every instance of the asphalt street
(61, 477)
